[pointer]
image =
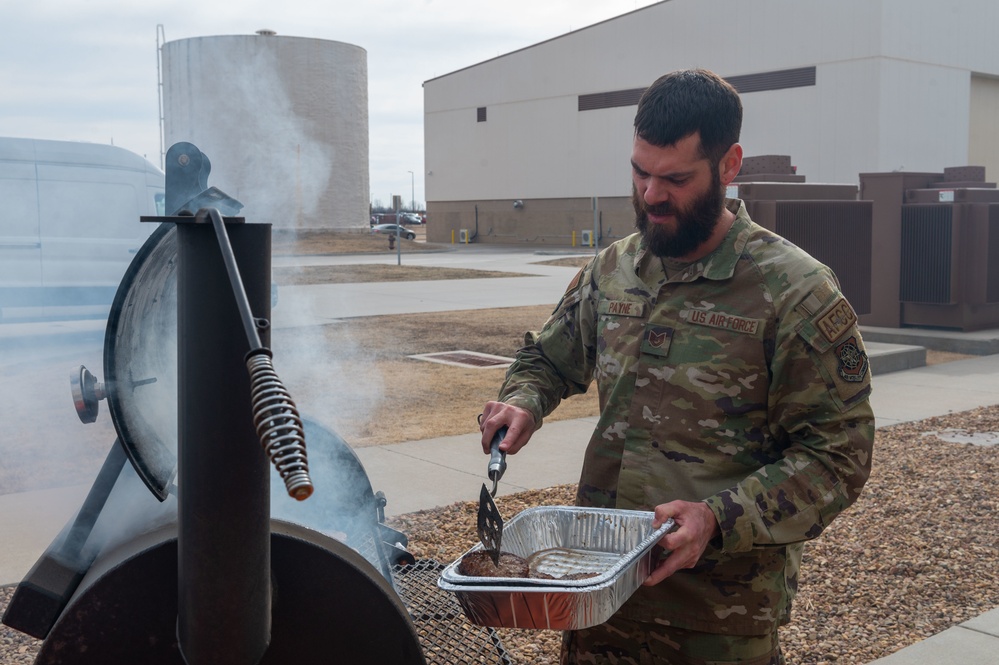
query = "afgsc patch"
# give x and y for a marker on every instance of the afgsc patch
(853, 361)
(837, 320)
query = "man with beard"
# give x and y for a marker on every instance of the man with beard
(733, 388)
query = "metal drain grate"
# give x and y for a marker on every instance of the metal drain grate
(472, 359)
(446, 637)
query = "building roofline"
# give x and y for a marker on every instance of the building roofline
(545, 41)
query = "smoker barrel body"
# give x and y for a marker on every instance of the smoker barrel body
(330, 606)
(344, 505)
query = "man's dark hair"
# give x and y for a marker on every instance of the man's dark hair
(687, 101)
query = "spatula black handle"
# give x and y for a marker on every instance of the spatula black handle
(497, 458)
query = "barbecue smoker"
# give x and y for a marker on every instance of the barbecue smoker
(206, 574)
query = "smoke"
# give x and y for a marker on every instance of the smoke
(331, 379)
(248, 116)
(331, 375)
(131, 509)
(44, 444)
(284, 170)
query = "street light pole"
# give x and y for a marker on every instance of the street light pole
(412, 185)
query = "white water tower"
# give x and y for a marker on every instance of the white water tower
(284, 121)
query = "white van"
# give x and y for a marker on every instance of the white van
(69, 224)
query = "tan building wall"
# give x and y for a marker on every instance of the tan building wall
(983, 134)
(540, 222)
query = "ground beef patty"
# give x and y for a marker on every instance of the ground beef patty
(480, 564)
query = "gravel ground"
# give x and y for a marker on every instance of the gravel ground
(917, 554)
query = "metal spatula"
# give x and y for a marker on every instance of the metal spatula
(490, 523)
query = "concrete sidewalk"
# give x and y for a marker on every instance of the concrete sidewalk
(973, 642)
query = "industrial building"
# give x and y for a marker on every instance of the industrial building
(533, 146)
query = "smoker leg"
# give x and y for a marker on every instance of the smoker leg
(48, 586)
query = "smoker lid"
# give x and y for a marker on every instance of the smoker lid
(140, 360)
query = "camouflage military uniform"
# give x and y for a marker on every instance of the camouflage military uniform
(624, 642)
(739, 380)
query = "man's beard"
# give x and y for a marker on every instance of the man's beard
(694, 224)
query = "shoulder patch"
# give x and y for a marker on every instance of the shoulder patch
(572, 295)
(853, 361)
(815, 300)
(826, 317)
(575, 282)
(837, 320)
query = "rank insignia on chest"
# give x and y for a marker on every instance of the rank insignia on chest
(853, 360)
(657, 340)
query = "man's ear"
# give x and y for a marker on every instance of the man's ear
(730, 164)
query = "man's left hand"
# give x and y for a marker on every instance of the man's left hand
(696, 527)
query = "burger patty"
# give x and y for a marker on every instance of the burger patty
(480, 564)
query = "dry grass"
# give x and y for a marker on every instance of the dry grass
(306, 243)
(421, 399)
(285, 276)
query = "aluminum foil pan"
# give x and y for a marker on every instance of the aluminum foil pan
(616, 545)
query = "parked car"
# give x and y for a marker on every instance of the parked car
(390, 229)
(390, 218)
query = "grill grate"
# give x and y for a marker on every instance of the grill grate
(446, 637)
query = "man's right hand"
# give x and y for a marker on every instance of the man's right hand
(519, 422)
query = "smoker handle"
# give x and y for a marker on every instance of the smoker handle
(278, 423)
(235, 280)
(497, 459)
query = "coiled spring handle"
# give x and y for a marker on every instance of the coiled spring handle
(279, 426)
(275, 415)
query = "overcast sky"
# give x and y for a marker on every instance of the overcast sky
(86, 70)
